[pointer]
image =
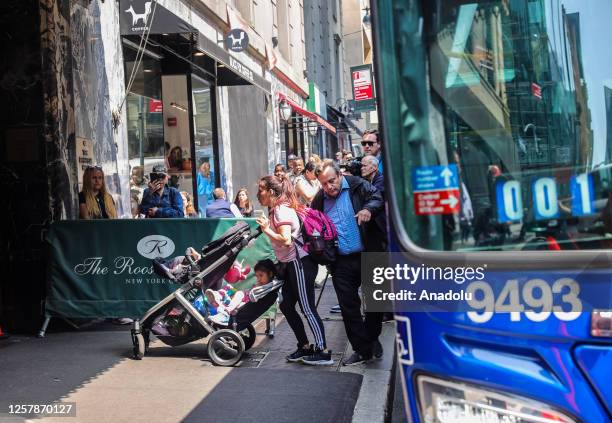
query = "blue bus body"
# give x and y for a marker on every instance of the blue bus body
(554, 362)
(529, 68)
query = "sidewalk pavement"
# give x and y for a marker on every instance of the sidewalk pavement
(94, 370)
(375, 395)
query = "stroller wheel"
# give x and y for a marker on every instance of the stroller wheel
(248, 336)
(225, 347)
(139, 346)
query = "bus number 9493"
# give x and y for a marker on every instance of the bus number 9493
(536, 300)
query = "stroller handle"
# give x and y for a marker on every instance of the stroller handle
(251, 236)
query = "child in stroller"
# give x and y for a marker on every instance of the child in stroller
(226, 301)
(178, 315)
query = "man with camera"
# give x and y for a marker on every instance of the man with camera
(160, 200)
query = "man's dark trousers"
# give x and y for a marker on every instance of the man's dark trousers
(346, 276)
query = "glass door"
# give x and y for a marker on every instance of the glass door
(177, 135)
(203, 136)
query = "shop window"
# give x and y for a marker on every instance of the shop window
(245, 7)
(144, 112)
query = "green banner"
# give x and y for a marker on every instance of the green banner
(102, 268)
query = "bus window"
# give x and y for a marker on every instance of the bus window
(519, 117)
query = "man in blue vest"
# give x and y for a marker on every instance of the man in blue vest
(220, 207)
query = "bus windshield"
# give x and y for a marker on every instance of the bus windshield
(519, 148)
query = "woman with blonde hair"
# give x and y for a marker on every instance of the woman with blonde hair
(315, 159)
(95, 202)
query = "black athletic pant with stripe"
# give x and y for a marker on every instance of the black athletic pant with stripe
(299, 287)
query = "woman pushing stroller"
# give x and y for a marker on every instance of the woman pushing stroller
(300, 271)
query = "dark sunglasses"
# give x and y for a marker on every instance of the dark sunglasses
(97, 167)
(368, 143)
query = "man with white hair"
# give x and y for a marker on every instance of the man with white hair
(370, 172)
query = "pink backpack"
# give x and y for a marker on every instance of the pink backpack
(320, 236)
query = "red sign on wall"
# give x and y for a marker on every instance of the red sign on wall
(362, 84)
(171, 121)
(155, 106)
(436, 202)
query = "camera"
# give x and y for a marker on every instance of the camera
(156, 176)
(353, 167)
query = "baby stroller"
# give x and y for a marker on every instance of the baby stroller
(186, 324)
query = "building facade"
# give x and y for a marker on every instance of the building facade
(127, 84)
(153, 82)
(358, 47)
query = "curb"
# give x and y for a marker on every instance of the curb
(374, 403)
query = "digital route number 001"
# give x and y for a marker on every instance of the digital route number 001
(545, 198)
(537, 300)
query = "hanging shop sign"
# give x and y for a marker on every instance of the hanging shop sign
(237, 40)
(140, 16)
(363, 88)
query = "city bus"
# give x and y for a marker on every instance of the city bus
(497, 135)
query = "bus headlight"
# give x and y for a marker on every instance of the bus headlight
(444, 401)
(601, 323)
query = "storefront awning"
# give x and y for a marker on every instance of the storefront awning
(231, 71)
(138, 16)
(301, 111)
(340, 117)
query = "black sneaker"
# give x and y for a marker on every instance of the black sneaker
(356, 358)
(377, 349)
(300, 353)
(319, 358)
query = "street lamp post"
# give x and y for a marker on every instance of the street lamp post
(313, 128)
(285, 110)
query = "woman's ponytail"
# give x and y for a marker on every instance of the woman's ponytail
(283, 190)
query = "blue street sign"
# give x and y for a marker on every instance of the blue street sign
(583, 194)
(432, 178)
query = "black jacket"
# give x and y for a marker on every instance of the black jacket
(364, 196)
(379, 183)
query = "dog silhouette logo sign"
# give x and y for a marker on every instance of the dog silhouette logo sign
(237, 40)
(140, 17)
